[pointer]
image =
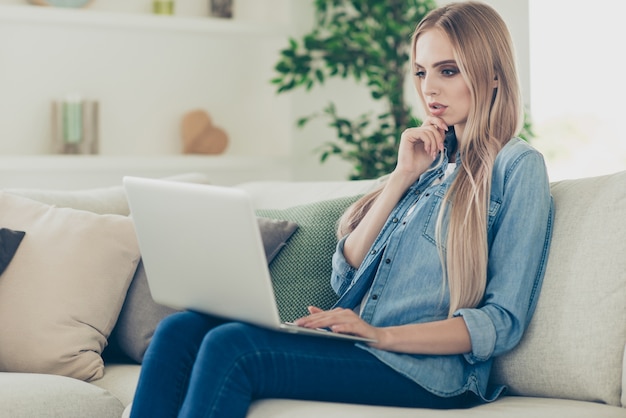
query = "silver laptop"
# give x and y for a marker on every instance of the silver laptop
(202, 250)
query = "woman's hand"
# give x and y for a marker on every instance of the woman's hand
(343, 321)
(420, 146)
(444, 337)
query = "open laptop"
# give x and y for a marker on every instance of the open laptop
(202, 250)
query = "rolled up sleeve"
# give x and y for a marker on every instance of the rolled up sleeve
(343, 272)
(482, 334)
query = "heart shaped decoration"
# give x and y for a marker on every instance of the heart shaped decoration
(200, 136)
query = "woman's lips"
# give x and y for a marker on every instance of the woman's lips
(437, 109)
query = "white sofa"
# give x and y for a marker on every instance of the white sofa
(569, 364)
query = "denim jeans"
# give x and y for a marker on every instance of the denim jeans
(199, 366)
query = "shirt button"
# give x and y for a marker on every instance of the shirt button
(388, 260)
(373, 252)
(394, 220)
(374, 297)
(417, 192)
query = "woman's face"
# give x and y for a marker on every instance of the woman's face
(439, 81)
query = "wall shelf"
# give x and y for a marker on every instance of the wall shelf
(142, 21)
(146, 71)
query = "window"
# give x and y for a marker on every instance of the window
(577, 86)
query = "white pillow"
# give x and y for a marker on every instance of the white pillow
(574, 346)
(62, 292)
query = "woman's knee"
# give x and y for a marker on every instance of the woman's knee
(231, 342)
(233, 335)
(177, 322)
(182, 328)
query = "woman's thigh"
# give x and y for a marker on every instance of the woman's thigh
(238, 363)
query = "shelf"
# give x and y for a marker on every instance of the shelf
(97, 162)
(86, 171)
(87, 17)
(145, 70)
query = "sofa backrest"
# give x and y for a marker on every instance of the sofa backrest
(285, 194)
(103, 200)
(575, 345)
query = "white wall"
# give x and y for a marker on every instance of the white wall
(146, 78)
(146, 72)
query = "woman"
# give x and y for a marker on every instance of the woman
(441, 266)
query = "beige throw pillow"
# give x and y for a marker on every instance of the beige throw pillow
(62, 293)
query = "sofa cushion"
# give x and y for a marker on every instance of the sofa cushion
(574, 345)
(267, 194)
(102, 200)
(29, 395)
(141, 314)
(275, 233)
(505, 407)
(62, 293)
(138, 319)
(120, 380)
(301, 272)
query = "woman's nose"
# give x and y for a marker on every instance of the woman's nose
(429, 87)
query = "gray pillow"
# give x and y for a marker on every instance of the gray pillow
(141, 314)
(275, 234)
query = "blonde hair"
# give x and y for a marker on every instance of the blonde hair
(485, 55)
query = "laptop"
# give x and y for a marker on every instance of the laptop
(202, 250)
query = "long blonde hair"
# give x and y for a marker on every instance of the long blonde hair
(484, 52)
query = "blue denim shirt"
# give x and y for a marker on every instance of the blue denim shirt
(402, 274)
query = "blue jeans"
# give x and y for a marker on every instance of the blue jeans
(199, 366)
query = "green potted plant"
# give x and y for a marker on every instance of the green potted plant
(368, 41)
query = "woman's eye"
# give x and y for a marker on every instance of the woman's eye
(420, 74)
(449, 71)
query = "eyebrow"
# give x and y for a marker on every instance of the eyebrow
(439, 64)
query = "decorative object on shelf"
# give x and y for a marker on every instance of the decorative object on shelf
(61, 3)
(200, 136)
(221, 8)
(163, 7)
(75, 126)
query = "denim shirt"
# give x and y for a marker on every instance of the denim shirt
(400, 280)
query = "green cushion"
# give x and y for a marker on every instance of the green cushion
(301, 271)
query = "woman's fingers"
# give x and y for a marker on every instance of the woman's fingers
(436, 122)
(319, 318)
(314, 309)
(339, 320)
(429, 136)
